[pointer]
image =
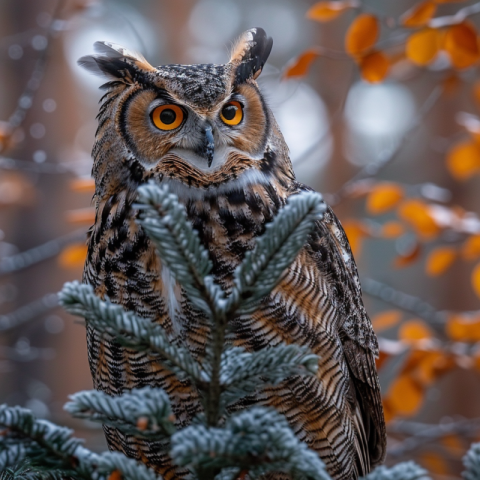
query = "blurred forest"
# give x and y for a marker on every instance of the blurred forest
(379, 103)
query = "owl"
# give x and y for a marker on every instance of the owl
(207, 132)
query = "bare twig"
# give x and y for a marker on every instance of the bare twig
(458, 17)
(25, 101)
(421, 433)
(337, 115)
(404, 301)
(28, 312)
(374, 168)
(19, 38)
(14, 164)
(463, 352)
(20, 261)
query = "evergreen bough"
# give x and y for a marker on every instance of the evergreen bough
(218, 444)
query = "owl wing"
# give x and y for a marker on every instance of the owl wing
(335, 260)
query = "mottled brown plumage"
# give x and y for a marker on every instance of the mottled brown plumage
(232, 180)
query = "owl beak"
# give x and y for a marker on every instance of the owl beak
(207, 149)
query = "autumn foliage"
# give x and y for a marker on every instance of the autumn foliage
(430, 238)
(418, 346)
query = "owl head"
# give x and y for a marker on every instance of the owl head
(199, 127)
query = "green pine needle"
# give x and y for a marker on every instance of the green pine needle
(144, 412)
(275, 250)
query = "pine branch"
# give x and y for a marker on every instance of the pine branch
(144, 412)
(258, 440)
(164, 219)
(10, 455)
(472, 463)
(129, 469)
(243, 372)
(275, 250)
(48, 447)
(51, 453)
(128, 329)
(401, 471)
(25, 471)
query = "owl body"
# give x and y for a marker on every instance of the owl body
(227, 161)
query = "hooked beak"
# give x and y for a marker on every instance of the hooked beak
(207, 149)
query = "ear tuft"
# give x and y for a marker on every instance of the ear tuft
(250, 53)
(115, 61)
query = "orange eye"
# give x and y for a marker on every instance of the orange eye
(232, 113)
(167, 117)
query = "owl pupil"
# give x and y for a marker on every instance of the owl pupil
(229, 112)
(168, 116)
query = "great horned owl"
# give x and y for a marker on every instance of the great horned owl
(207, 132)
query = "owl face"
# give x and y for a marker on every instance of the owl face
(202, 131)
(198, 125)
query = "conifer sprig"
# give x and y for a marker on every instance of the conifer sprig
(402, 471)
(144, 412)
(259, 440)
(275, 250)
(218, 444)
(472, 463)
(128, 328)
(164, 219)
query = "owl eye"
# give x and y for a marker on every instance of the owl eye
(167, 117)
(232, 113)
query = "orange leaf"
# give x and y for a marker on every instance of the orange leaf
(82, 184)
(434, 462)
(419, 15)
(461, 44)
(326, 11)
(381, 359)
(16, 189)
(388, 412)
(451, 84)
(383, 197)
(454, 444)
(385, 320)
(300, 65)
(81, 215)
(73, 256)
(476, 360)
(476, 91)
(463, 160)
(392, 229)
(463, 327)
(374, 67)
(115, 475)
(471, 247)
(439, 260)
(6, 137)
(356, 231)
(476, 279)
(405, 396)
(417, 214)
(408, 258)
(362, 34)
(142, 423)
(430, 366)
(422, 47)
(414, 330)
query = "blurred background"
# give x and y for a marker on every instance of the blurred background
(392, 141)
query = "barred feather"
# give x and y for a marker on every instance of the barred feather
(318, 302)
